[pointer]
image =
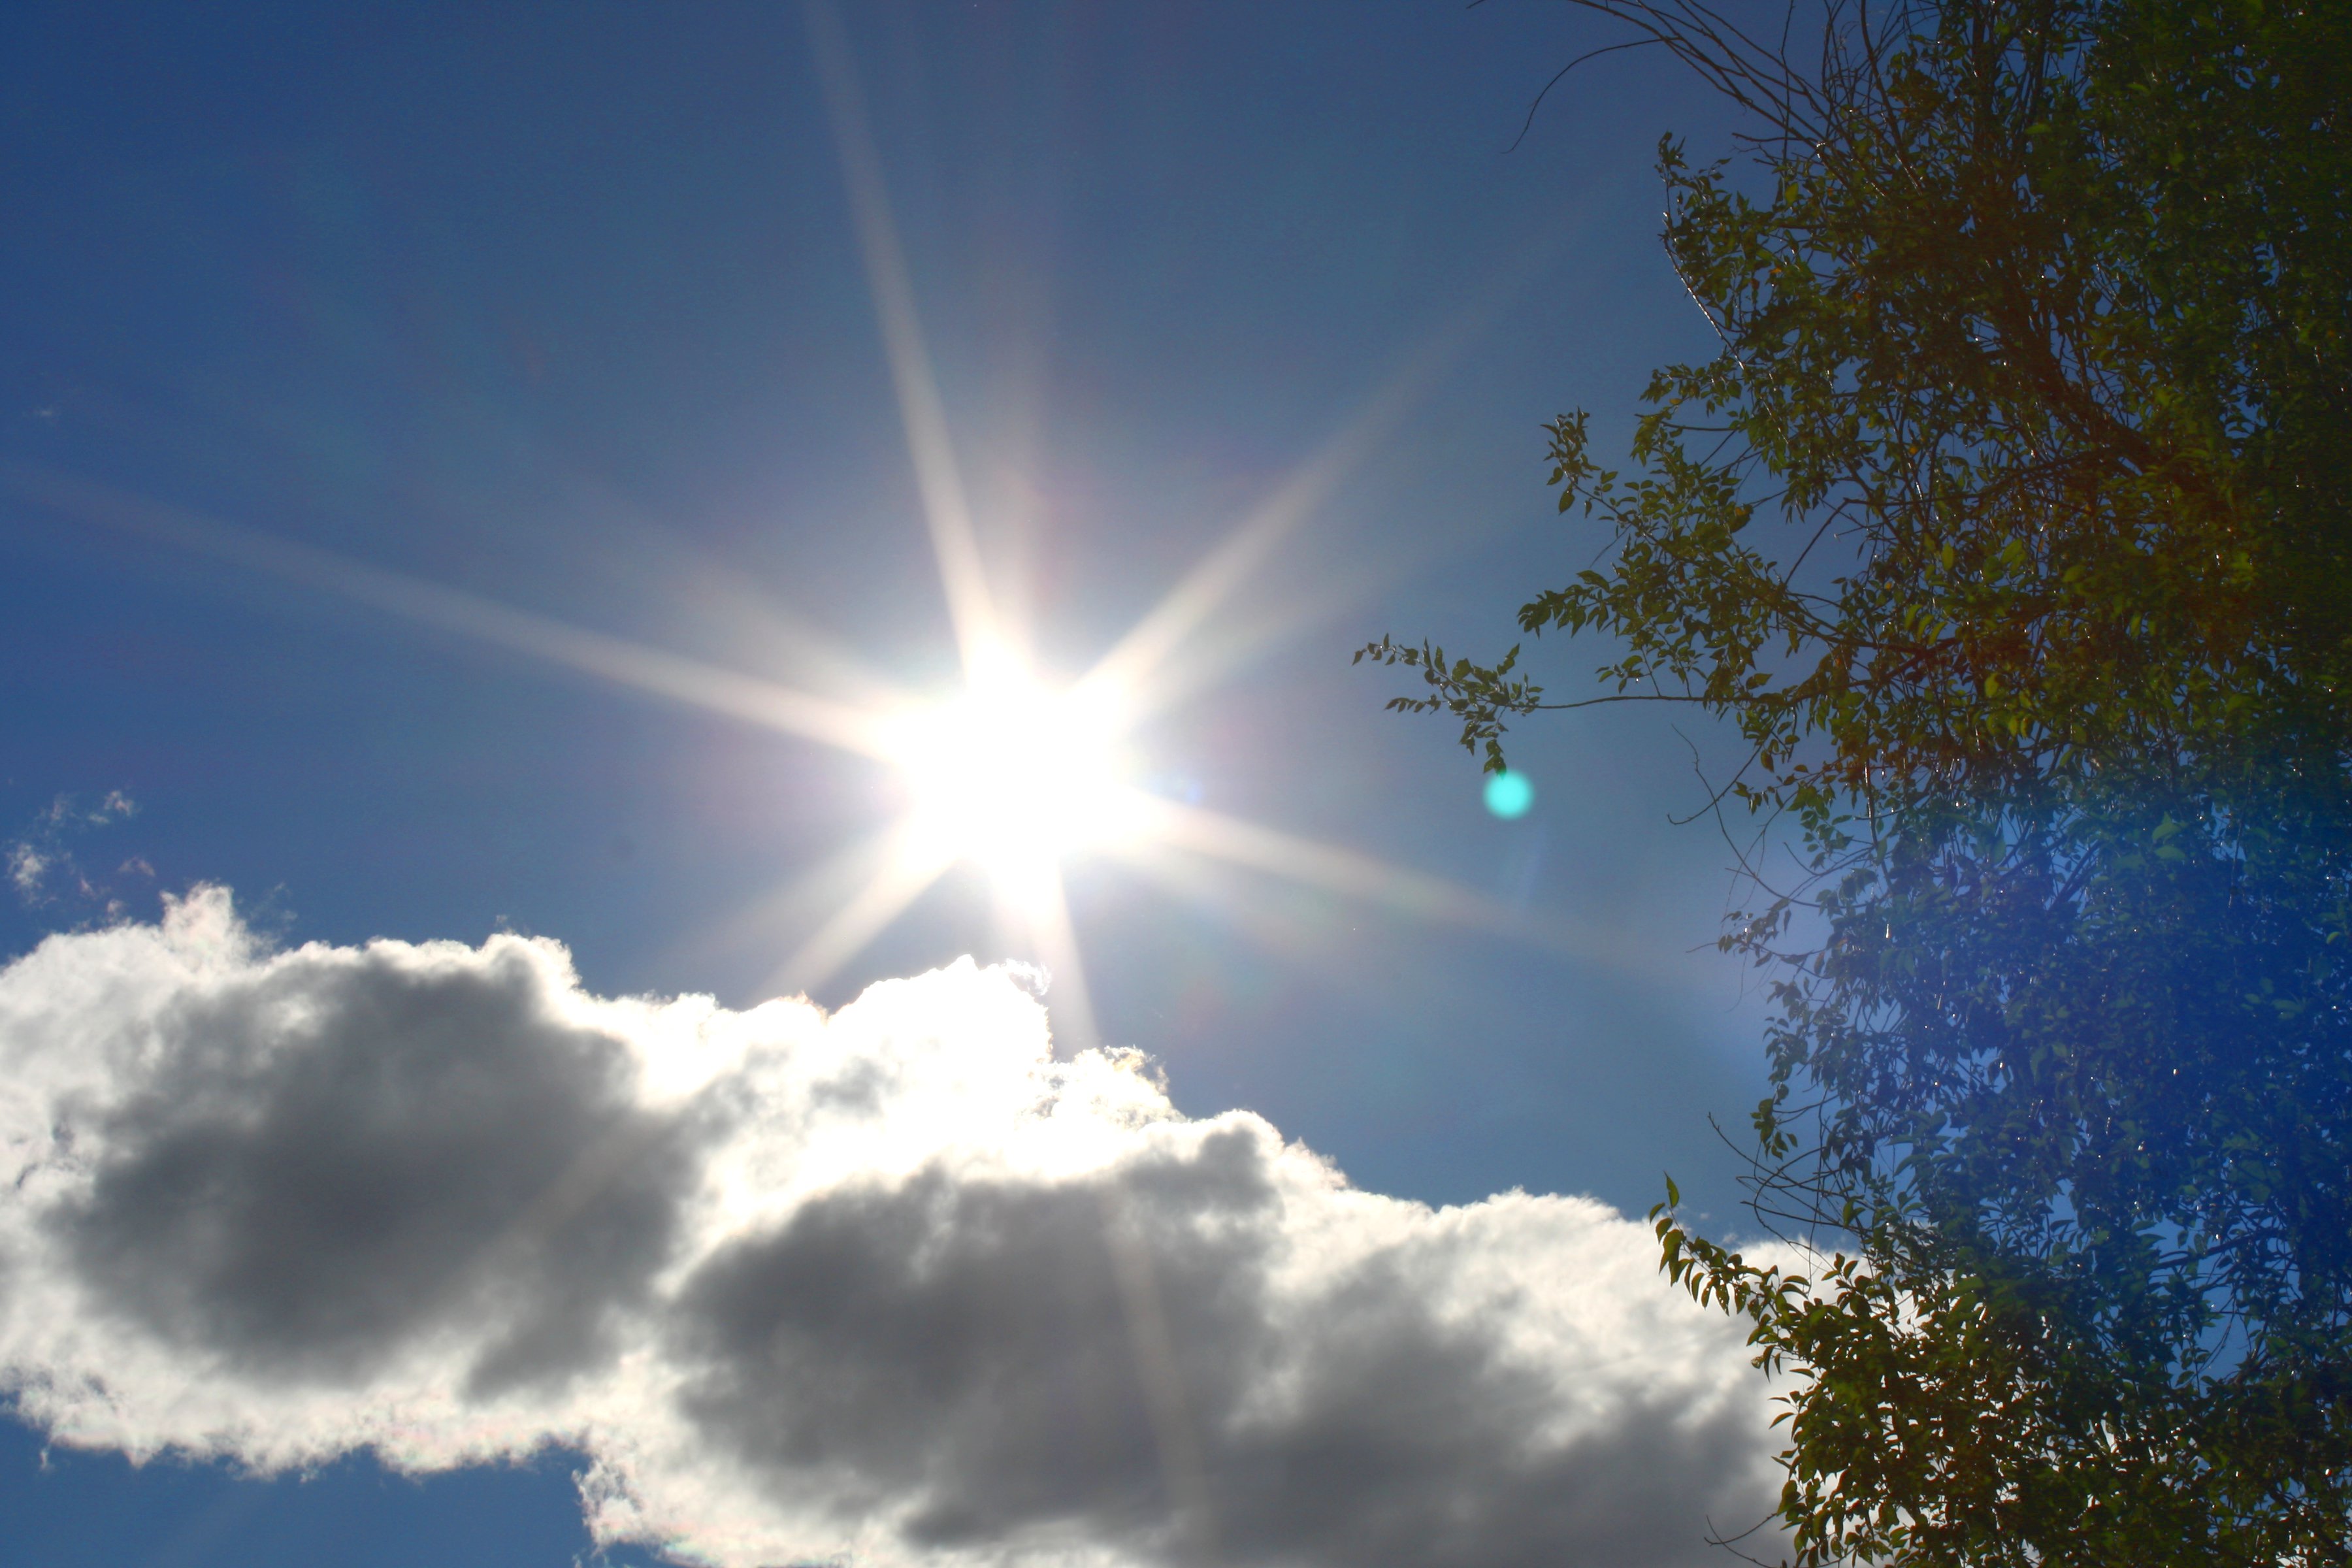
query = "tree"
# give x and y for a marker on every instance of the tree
(2036, 324)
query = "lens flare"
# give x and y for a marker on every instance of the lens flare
(1509, 795)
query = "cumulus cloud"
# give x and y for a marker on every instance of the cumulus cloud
(892, 1285)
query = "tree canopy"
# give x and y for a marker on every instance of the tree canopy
(2009, 529)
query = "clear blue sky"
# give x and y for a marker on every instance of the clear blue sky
(562, 306)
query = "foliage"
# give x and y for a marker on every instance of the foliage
(2036, 340)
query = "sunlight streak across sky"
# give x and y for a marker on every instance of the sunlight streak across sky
(1015, 775)
(912, 861)
(673, 676)
(1009, 775)
(1171, 825)
(929, 444)
(1143, 659)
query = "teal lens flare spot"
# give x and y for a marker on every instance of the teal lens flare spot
(1509, 794)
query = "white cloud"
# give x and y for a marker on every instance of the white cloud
(893, 1285)
(41, 855)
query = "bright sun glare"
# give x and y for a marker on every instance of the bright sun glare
(1014, 775)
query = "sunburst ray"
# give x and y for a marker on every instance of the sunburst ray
(1168, 825)
(1041, 906)
(690, 681)
(910, 864)
(1009, 776)
(930, 446)
(1140, 663)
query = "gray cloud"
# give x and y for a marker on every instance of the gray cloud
(893, 1285)
(968, 1345)
(331, 1156)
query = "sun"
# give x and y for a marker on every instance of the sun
(1015, 776)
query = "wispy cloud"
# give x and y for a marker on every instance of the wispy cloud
(894, 1284)
(41, 863)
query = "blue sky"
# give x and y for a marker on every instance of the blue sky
(563, 308)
